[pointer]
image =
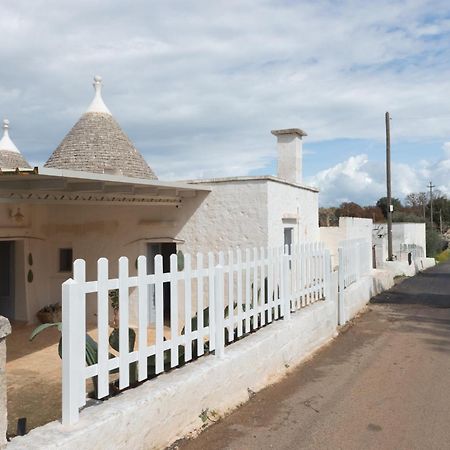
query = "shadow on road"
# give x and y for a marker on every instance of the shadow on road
(429, 288)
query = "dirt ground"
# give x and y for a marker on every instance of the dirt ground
(33, 372)
(382, 384)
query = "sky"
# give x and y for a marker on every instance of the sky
(198, 85)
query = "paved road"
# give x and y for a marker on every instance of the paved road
(384, 383)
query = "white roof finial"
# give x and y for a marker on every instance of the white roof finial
(98, 105)
(5, 142)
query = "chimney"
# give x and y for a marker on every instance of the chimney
(289, 144)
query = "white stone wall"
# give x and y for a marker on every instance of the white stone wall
(292, 206)
(408, 233)
(402, 233)
(233, 214)
(92, 231)
(251, 213)
(349, 228)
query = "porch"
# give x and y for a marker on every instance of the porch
(49, 217)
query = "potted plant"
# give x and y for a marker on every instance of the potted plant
(51, 313)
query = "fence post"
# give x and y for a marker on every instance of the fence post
(286, 287)
(326, 274)
(73, 360)
(341, 273)
(219, 311)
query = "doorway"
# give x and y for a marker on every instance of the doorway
(165, 249)
(7, 298)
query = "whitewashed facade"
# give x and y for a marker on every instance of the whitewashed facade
(53, 215)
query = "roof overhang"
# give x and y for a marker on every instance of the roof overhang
(43, 184)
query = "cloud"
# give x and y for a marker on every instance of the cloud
(360, 180)
(198, 85)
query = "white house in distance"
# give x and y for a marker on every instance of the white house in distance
(96, 197)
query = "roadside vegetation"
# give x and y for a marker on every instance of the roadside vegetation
(443, 256)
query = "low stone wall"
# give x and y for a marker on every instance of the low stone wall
(165, 409)
(169, 407)
(358, 294)
(402, 268)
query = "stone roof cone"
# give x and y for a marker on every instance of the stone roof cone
(97, 144)
(10, 156)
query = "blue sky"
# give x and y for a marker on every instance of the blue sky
(198, 85)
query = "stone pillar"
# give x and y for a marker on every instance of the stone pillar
(5, 330)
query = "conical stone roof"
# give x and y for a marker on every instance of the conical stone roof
(10, 156)
(97, 144)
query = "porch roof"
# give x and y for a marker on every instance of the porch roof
(43, 184)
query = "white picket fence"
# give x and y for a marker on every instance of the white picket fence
(234, 294)
(355, 260)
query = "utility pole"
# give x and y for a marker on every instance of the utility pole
(388, 185)
(440, 221)
(430, 187)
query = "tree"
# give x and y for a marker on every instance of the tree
(417, 202)
(349, 209)
(382, 204)
(327, 217)
(374, 212)
(441, 205)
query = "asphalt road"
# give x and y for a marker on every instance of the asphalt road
(384, 383)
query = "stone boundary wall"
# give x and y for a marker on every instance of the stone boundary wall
(170, 407)
(163, 410)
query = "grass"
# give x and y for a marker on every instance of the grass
(443, 256)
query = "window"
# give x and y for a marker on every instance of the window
(65, 259)
(288, 234)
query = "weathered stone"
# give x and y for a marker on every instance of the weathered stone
(12, 160)
(5, 330)
(97, 144)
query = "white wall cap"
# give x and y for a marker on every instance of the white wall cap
(5, 142)
(289, 131)
(98, 105)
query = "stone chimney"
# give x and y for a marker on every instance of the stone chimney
(289, 143)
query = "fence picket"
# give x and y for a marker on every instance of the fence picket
(103, 328)
(143, 318)
(187, 308)
(73, 357)
(262, 296)
(269, 285)
(211, 304)
(247, 290)
(239, 274)
(124, 370)
(79, 276)
(220, 329)
(230, 296)
(174, 325)
(159, 313)
(200, 307)
(255, 288)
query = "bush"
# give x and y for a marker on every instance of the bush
(443, 256)
(435, 243)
